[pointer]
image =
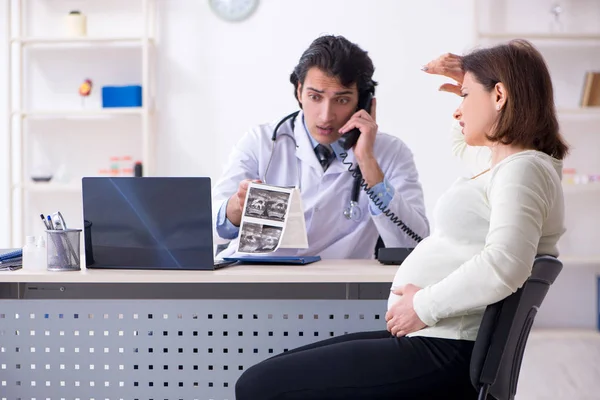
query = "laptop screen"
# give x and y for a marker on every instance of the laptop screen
(148, 223)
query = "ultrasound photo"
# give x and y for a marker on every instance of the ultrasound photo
(267, 204)
(250, 240)
(256, 238)
(270, 238)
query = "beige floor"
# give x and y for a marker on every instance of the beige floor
(561, 365)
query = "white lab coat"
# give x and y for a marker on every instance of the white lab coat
(325, 195)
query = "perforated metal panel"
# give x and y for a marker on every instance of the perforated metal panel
(157, 349)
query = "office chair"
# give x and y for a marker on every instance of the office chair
(503, 333)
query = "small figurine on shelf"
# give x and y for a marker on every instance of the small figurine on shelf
(85, 89)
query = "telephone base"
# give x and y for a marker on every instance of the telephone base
(393, 255)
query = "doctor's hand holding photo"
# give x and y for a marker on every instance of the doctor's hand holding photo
(237, 202)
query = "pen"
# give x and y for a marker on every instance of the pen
(44, 221)
(50, 226)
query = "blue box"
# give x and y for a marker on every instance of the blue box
(122, 96)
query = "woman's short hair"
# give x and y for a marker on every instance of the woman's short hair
(528, 118)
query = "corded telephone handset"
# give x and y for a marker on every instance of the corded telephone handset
(347, 141)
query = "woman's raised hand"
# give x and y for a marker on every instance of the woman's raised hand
(449, 65)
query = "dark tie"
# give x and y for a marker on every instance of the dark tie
(324, 155)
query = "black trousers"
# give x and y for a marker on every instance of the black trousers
(366, 366)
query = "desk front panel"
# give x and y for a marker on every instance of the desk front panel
(158, 349)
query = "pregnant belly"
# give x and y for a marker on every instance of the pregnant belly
(431, 261)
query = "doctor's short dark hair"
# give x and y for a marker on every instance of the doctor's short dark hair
(338, 57)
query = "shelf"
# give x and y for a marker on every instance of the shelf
(87, 41)
(542, 36)
(581, 188)
(97, 113)
(587, 111)
(134, 53)
(581, 261)
(49, 187)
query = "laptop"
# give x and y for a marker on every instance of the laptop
(148, 223)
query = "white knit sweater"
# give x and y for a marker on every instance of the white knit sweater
(487, 233)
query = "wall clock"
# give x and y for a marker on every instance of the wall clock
(233, 10)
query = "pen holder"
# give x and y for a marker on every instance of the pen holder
(63, 250)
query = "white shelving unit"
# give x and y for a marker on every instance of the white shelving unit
(107, 41)
(562, 31)
(101, 113)
(592, 188)
(569, 54)
(22, 42)
(540, 36)
(581, 111)
(49, 187)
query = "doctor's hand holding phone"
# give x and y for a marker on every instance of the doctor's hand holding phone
(360, 133)
(350, 132)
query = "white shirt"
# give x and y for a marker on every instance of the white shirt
(325, 195)
(488, 231)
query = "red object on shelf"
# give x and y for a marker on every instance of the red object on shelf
(85, 88)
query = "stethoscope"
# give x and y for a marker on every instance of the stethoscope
(353, 211)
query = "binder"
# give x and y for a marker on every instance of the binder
(10, 254)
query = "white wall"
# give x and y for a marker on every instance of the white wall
(217, 79)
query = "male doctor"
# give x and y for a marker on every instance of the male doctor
(331, 77)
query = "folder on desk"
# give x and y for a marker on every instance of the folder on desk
(277, 260)
(11, 259)
(10, 254)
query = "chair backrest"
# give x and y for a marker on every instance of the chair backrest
(498, 350)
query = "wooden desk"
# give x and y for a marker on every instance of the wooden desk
(173, 334)
(325, 271)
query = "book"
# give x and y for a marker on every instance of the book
(591, 90)
(273, 218)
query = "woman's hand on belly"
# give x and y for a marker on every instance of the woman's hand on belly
(401, 317)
